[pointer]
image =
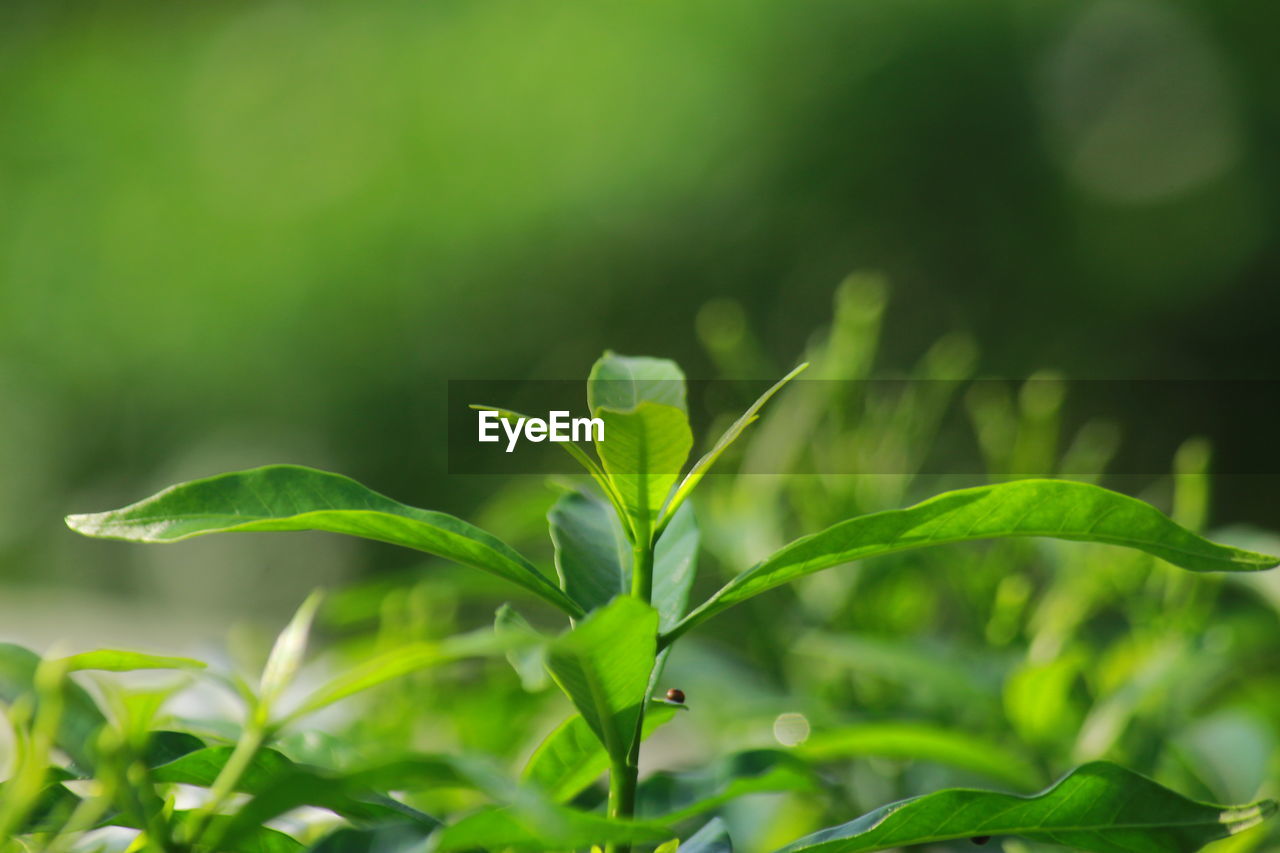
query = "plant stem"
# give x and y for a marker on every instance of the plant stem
(623, 775)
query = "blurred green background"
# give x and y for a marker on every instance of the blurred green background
(243, 232)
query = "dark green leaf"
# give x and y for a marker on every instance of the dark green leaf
(1056, 509)
(1099, 807)
(603, 665)
(593, 556)
(291, 497)
(395, 838)
(165, 746)
(673, 797)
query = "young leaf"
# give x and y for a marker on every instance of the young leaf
(292, 497)
(1056, 509)
(643, 451)
(593, 556)
(286, 654)
(1099, 807)
(700, 468)
(528, 657)
(112, 660)
(623, 382)
(603, 666)
(673, 797)
(571, 757)
(923, 742)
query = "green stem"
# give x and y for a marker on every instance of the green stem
(623, 775)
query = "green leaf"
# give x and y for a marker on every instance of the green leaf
(259, 839)
(407, 659)
(673, 797)
(603, 666)
(571, 757)
(1056, 509)
(271, 773)
(81, 718)
(593, 556)
(703, 465)
(291, 497)
(712, 838)
(529, 656)
(286, 654)
(559, 828)
(623, 382)
(393, 838)
(643, 451)
(166, 746)
(1099, 807)
(112, 660)
(923, 742)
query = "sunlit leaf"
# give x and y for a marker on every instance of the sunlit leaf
(923, 742)
(1056, 509)
(112, 660)
(560, 829)
(571, 757)
(643, 451)
(292, 497)
(603, 665)
(623, 382)
(1099, 807)
(290, 646)
(703, 465)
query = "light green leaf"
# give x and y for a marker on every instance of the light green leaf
(1056, 509)
(404, 660)
(529, 656)
(271, 773)
(603, 666)
(703, 465)
(113, 660)
(674, 797)
(291, 497)
(571, 757)
(290, 646)
(559, 828)
(623, 382)
(922, 742)
(643, 451)
(1099, 807)
(593, 556)
(712, 838)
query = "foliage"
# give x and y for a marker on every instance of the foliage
(626, 548)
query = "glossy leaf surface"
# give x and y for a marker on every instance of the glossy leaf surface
(292, 497)
(1057, 509)
(1099, 807)
(603, 665)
